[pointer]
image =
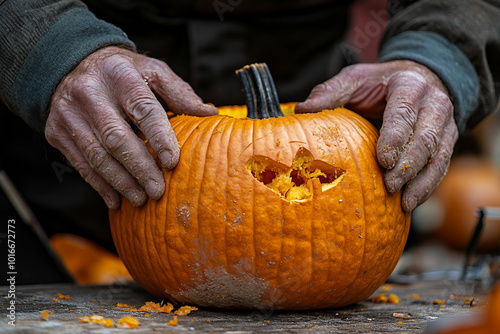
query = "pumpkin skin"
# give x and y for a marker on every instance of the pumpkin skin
(221, 238)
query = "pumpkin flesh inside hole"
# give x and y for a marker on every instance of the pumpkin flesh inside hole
(295, 183)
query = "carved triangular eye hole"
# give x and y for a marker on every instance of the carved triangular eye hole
(299, 182)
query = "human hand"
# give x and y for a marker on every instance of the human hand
(88, 122)
(418, 131)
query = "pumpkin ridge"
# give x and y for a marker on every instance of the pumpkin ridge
(232, 265)
(172, 205)
(254, 241)
(369, 289)
(297, 282)
(318, 122)
(226, 186)
(152, 212)
(368, 285)
(307, 133)
(350, 155)
(362, 185)
(179, 124)
(279, 278)
(214, 124)
(323, 117)
(160, 211)
(311, 216)
(297, 254)
(135, 240)
(116, 230)
(345, 155)
(181, 120)
(281, 281)
(377, 278)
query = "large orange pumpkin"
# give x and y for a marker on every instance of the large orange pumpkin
(280, 213)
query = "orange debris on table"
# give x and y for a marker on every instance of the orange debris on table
(61, 296)
(156, 308)
(44, 315)
(128, 322)
(382, 298)
(173, 322)
(97, 319)
(184, 310)
(438, 301)
(126, 307)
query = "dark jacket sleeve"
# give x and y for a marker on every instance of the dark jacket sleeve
(459, 40)
(40, 42)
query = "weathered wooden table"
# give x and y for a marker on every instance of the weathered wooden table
(411, 315)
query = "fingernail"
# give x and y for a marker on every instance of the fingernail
(154, 189)
(389, 157)
(409, 203)
(111, 203)
(211, 109)
(168, 160)
(398, 184)
(394, 185)
(136, 197)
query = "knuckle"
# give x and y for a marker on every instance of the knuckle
(409, 78)
(430, 141)
(116, 64)
(81, 88)
(57, 105)
(51, 135)
(408, 112)
(454, 133)
(322, 87)
(88, 175)
(443, 103)
(119, 72)
(399, 129)
(159, 65)
(140, 108)
(85, 171)
(96, 157)
(114, 137)
(441, 162)
(355, 70)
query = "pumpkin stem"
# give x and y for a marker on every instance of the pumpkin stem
(260, 92)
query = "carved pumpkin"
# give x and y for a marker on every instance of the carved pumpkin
(279, 213)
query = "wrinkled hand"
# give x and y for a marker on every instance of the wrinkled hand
(88, 122)
(418, 131)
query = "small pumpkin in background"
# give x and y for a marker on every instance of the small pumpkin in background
(470, 184)
(88, 262)
(286, 212)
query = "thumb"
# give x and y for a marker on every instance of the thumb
(330, 94)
